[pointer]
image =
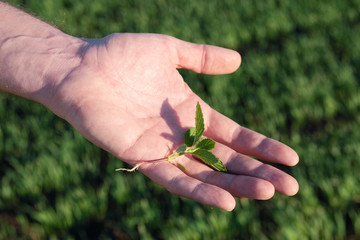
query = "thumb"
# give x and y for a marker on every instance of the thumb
(205, 59)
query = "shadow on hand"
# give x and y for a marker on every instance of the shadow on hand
(171, 118)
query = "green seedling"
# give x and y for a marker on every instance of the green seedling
(195, 144)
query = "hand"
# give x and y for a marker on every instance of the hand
(128, 98)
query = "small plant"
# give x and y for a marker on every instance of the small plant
(195, 144)
(198, 145)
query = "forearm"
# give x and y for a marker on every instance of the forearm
(34, 56)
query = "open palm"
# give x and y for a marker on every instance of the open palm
(128, 98)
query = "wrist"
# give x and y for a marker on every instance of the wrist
(34, 56)
(61, 55)
(32, 66)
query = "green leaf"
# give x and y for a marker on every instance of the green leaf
(181, 166)
(206, 144)
(199, 123)
(181, 149)
(189, 137)
(210, 159)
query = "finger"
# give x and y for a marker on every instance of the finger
(246, 141)
(241, 186)
(176, 182)
(249, 178)
(205, 59)
(243, 165)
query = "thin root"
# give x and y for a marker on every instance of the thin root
(170, 160)
(130, 170)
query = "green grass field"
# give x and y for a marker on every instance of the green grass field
(298, 83)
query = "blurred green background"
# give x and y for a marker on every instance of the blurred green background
(298, 83)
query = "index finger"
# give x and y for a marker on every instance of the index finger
(246, 141)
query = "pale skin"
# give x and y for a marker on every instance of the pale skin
(125, 94)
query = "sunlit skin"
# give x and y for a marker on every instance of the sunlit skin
(124, 93)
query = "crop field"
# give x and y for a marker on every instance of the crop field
(299, 83)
